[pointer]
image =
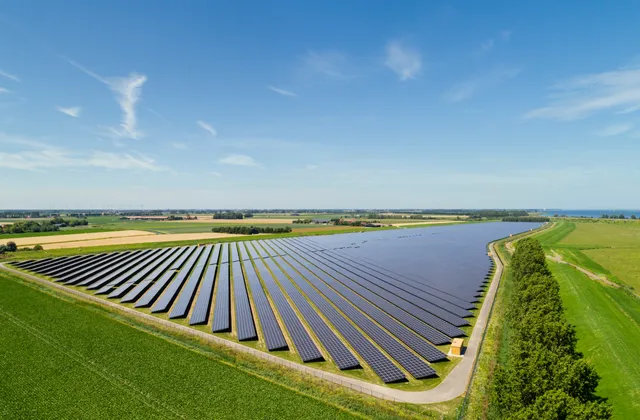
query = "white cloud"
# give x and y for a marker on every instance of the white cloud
(207, 127)
(281, 91)
(327, 63)
(179, 146)
(128, 91)
(311, 167)
(486, 46)
(240, 160)
(465, 90)
(581, 96)
(213, 173)
(9, 76)
(4, 90)
(40, 156)
(405, 61)
(73, 111)
(614, 130)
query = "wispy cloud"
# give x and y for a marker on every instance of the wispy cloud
(213, 173)
(4, 90)
(38, 156)
(239, 160)
(9, 76)
(467, 89)
(581, 96)
(333, 64)
(311, 167)
(489, 44)
(179, 146)
(207, 127)
(73, 111)
(128, 91)
(404, 60)
(614, 130)
(281, 91)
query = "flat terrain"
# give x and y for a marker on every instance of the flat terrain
(63, 359)
(42, 240)
(607, 318)
(140, 239)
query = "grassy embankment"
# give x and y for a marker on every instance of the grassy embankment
(607, 318)
(93, 363)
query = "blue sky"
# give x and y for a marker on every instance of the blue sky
(319, 104)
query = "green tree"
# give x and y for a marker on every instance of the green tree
(11, 246)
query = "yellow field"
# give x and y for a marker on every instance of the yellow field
(144, 239)
(426, 222)
(42, 240)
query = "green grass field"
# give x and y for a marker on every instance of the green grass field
(607, 319)
(64, 358)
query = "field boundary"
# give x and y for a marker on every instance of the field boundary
(454, 384)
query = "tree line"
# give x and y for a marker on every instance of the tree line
(619, 216)
(249, 230)
(232, 215)
(525, 219)
(52, 225)
(544, 376)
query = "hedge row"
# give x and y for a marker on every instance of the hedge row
(544, 377)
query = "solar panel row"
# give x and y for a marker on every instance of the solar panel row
(200, 314)
(273, 337)
(187, 295)
(303, 343)
(222, 308)
(168, 297)
(245, 327)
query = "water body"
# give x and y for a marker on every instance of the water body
(591, 213)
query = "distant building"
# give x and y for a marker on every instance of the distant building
(320, 221)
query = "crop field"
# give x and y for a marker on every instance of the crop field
(607, 318)
(380, 307)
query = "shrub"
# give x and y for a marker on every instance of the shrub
(11, 246)
(37, 248)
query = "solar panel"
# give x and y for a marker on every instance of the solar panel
(303, 343)
(392, 325)
(340, 354)
(158, 287)
(442, 299)
(413, 364)
(88, 276)
(222, 307)
(166, 300)
(80, 273)
(273, 337)
(200, 313)
(182, 306)
(119, 289)
(374, 358)
(143, 265)
(102, 279)
(433, 315)
(225, 254)
(147, 281)
(245, 327)
(58, 271)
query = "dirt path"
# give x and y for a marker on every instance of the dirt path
(593, 276)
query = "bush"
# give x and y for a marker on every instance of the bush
(11, 246)
(37, 248)
(249, 230)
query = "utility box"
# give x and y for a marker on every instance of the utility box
(456, 346)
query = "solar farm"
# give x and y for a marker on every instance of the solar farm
(386, 301)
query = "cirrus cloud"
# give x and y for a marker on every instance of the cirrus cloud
(239, 160)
